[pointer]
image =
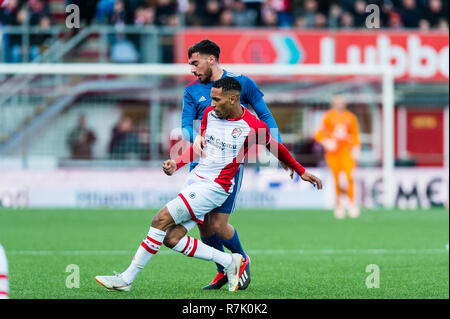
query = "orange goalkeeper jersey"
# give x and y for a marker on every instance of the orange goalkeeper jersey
(342, 127)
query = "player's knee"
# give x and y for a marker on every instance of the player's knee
(170, 241)
(173, 236)
(162, 220)
(217, 225)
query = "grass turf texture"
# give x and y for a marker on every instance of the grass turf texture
(294, 254)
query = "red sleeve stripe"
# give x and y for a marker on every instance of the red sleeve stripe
(3, 276)
(191, 254)
(190, 209)
(154, 241)
(193, 82)
(187, 244)
(151, 251)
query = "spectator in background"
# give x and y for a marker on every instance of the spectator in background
(144, 16)
(33, 12)
(103, 10)
(131, 7)
(282, 8)
(387, 7)
(39, 16)
(269, 17)
(165, 13)
(359, 13)
(308, 13)
(410, 14)
(212, 14)
(243, 17)
(192, 16)
(435, 13)
(9, 15)
(124, 142)
(122, 50)
(118, 15)
(346, 21)
(255, 6)
(300, 23)
(395, 20)
(226, 18)
(80, 140)
(334, 16)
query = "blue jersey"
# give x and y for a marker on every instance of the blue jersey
(197, 97)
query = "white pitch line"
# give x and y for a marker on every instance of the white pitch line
(405, 251)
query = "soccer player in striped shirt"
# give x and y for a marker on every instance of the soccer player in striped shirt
(216, 231)
(229, 130)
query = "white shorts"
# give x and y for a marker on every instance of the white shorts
(197, 198)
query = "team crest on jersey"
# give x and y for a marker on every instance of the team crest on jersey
(236, 132)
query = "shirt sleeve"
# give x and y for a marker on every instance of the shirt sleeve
(283, 155)
(278, 149)
(188, 117)
(205, 120)
(186, 157)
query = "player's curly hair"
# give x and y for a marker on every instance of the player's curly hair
(205, 47)
(228, 84)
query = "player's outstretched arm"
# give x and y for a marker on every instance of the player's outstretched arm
(169, 167)
(312, 179)
(172, 165)
(283, 155)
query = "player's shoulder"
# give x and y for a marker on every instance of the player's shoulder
(350, 115)
(208, 110)
(193, 85)
(329, 114)
(234, 75)
(243, 79)
(252, 120)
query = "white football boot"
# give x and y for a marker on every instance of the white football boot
(353, 211)
(339, 212)
(113, 282)
(232, 271)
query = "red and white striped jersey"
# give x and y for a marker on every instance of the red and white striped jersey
(227, 143)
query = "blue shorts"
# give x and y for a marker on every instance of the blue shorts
(229, 205)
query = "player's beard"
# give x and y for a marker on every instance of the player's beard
(207, 76)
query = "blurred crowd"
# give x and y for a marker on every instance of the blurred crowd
(422, 14)
(127, 47)
(127, 141)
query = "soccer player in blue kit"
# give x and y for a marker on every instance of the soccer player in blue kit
(216, 231)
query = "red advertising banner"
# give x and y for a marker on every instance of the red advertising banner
(415, 56)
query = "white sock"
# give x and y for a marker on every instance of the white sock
(192, 247)
(149, 247)
(4, 284)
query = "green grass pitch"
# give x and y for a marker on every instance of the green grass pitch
(295, 254)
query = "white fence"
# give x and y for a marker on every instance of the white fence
(263, 188)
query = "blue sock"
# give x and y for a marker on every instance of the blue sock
(216, 242)
(234, 245)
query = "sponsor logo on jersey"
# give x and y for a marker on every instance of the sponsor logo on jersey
(218, 143)
(192, 195)
(236, 132)
(202, 99)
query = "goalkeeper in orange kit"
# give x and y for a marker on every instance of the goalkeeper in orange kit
(339, 135)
